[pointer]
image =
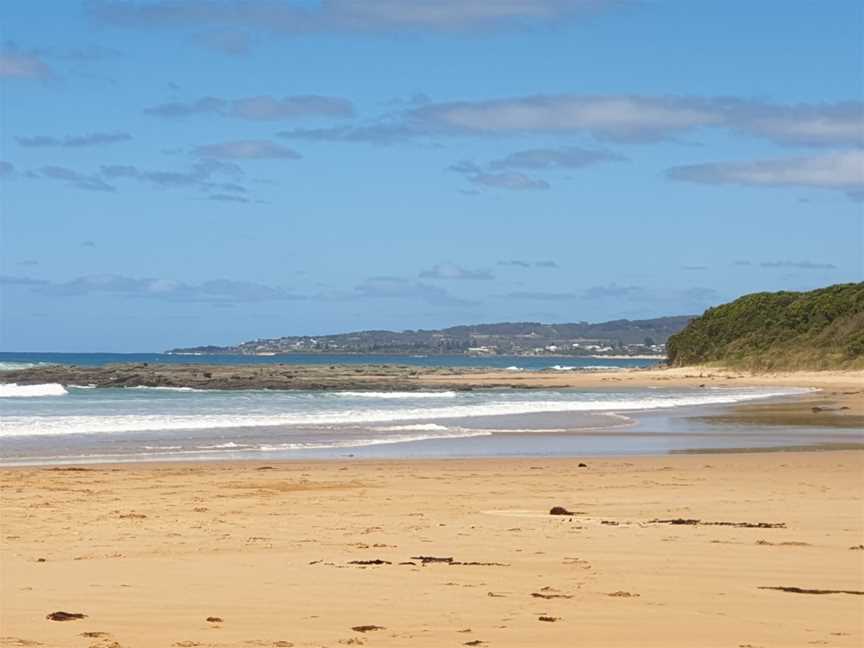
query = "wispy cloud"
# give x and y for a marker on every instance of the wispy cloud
(343, 16)
(842, 170)
(837, 124)
(623, 118)
(84, 54)
(247, 150)
(226, 41)
(511, 181)
(213, 291)
(6, 168)
(506, 172)
(400, 288)
(642, 118)
(381, 132)
(563, 158)
(260, 108)
(613, 291)
(228, 198)
(521, 263)
(198, 175)
(73, 141)
(455, 272)
(210, 175)
(609, 117)
(17, 64)
(11, 280)
(73, 178)
(528, 295)
(798, 265)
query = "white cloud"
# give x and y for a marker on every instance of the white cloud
(213, 291)
(571, 157)
(510, 181)
(342, 16)
(453, 271)
(842, 170)
(247, 150)
(73, 141)
(258, 108)
(611, 117)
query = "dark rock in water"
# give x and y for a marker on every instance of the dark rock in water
(560, 510)
(66, 616)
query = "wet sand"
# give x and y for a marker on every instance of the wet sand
(287, 553)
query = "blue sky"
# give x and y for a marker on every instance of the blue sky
(180, 172)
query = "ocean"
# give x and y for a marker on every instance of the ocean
(70, 424)
(561, 363)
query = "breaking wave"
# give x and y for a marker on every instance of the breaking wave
(14, 390)
(296, 414)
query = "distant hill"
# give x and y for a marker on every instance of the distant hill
(580, 338)
(820, 329)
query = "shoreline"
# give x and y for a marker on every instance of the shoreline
(834, 410)
(546, 436)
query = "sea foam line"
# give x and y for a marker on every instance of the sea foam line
(14, 426)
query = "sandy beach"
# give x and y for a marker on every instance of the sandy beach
(287, 553)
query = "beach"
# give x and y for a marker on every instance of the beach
(288, 553)
(732, 548)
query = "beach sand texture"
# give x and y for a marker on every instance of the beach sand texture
(278, 553)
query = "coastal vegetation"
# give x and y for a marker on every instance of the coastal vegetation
(819, 329)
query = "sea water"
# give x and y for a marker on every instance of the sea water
(53, 423)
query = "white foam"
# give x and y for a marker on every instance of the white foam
(168, 389)
(14, 390)
(16, 366)
(19, 425)
(421, 427)
(221, 446)
(359, 443)
(394, 395)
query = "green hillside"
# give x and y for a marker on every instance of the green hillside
(820, 329)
